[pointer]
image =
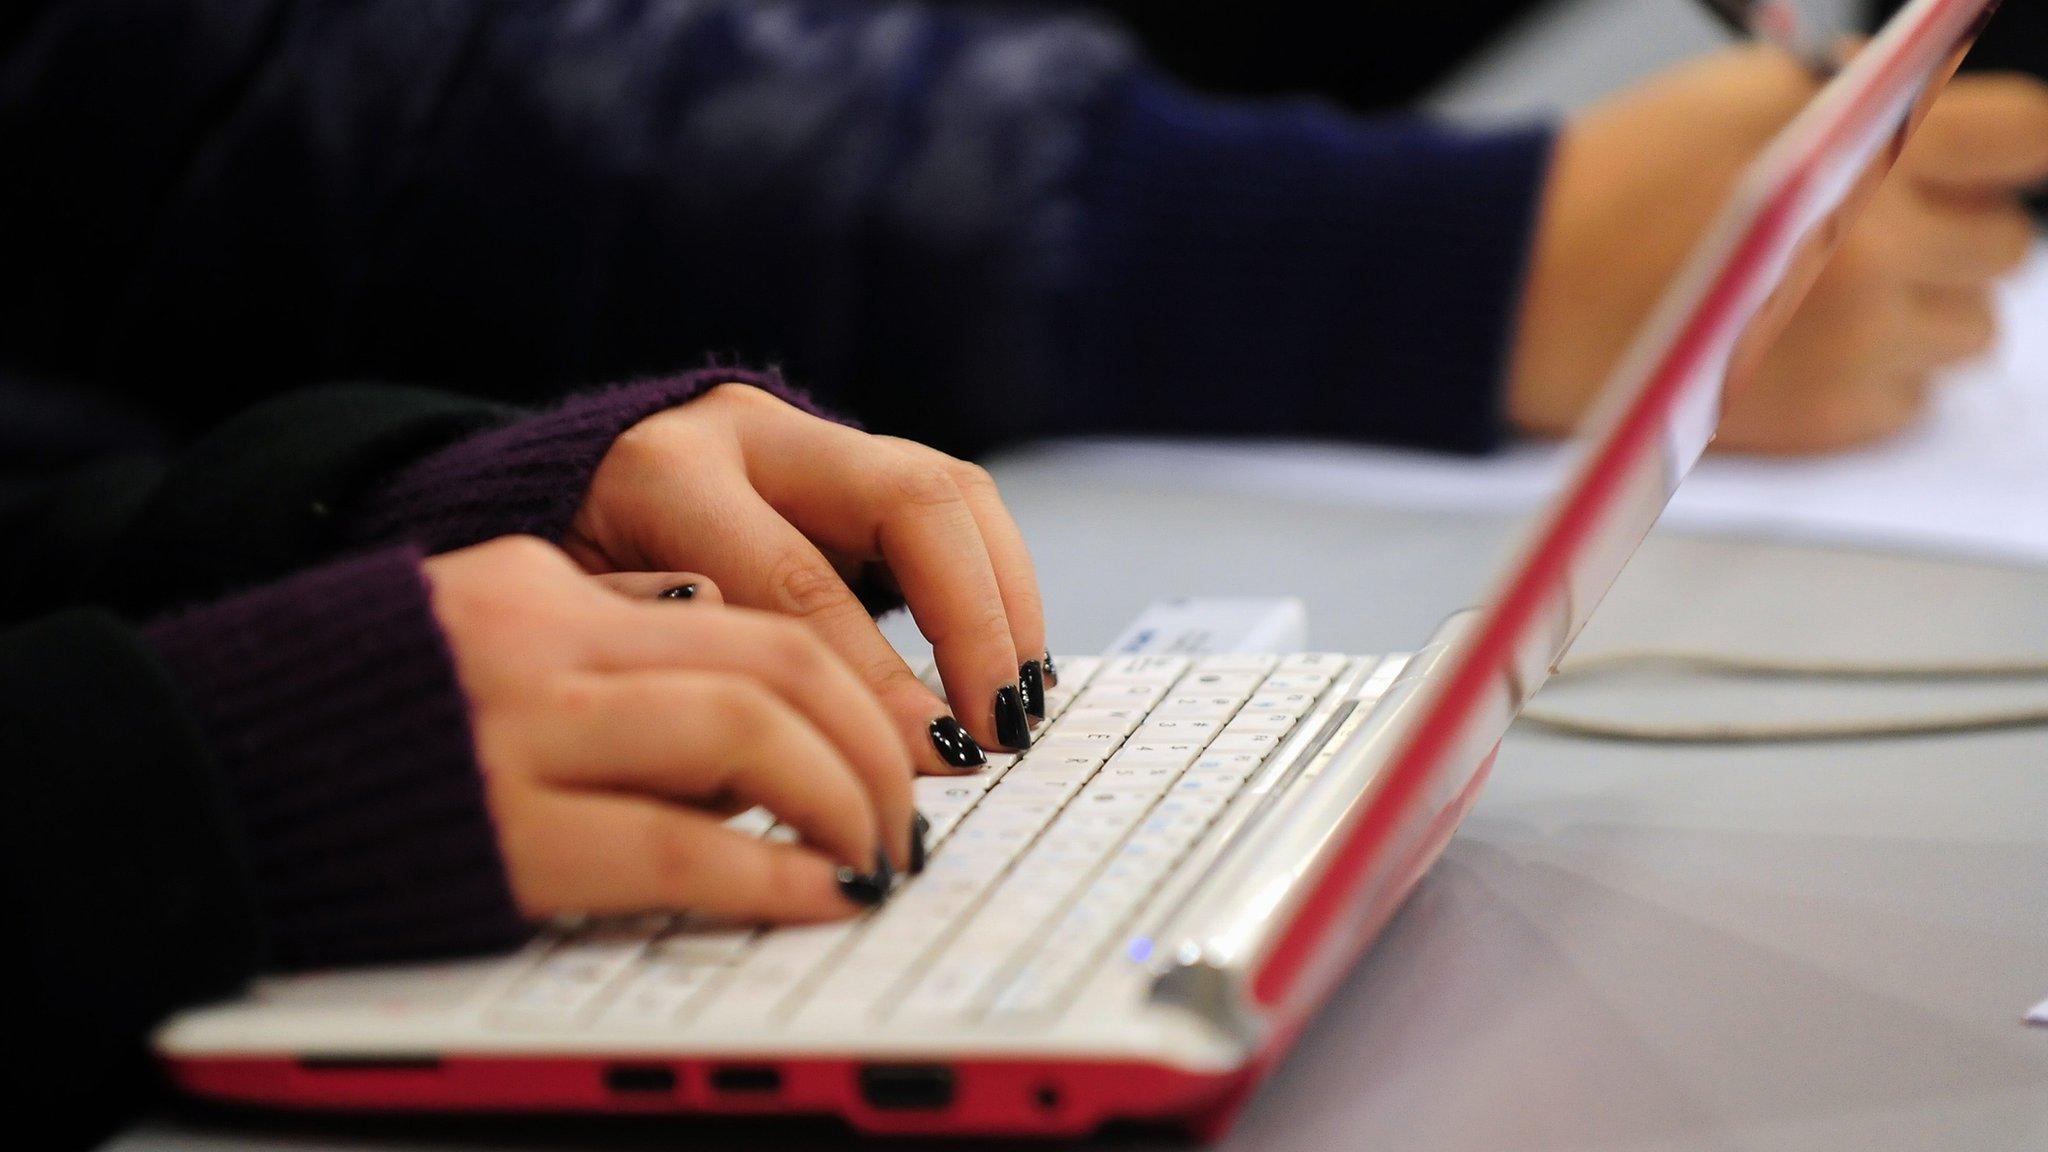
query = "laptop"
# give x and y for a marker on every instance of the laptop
(1135, 918)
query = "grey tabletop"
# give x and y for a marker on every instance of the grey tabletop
(1824, 946)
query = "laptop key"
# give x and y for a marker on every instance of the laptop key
(1161, 669)
(1236, 662)
(1328, 662)
(1275, 723)
(1200, 729)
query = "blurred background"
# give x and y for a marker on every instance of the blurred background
(1968, 480)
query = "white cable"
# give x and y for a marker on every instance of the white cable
(1566, 722)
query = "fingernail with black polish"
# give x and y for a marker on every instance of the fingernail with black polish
(680, 592)
(1013, 729)
(870, 888)
(919, 829)
(955, 746)
(1052, 674)
(858, 887)
(1031, 683)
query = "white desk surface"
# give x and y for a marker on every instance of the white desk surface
(1970, 479)
(1636, 949)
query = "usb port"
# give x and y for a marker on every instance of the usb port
(907, 1087)
(746, 1079)
(640, 1079)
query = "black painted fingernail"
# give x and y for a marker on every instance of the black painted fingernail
(1013, 729)
(1052, 674)
(919, 829)
(954, 745)
(680, 592)
(1031, 683)
(869, 888)
(858, 886)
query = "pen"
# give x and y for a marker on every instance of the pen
(1775, 22)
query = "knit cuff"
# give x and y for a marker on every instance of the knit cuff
(1285, 269)
(331, 702)
(530, 477)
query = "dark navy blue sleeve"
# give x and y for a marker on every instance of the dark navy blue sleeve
(969, 228)
(1285, 269)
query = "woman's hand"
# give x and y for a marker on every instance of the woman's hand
(1637, 179)
(617, 729)
(782, 508)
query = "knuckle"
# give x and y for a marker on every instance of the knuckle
(990, 620)
(972, 477)
(525, 552)
(887, 675)
(575, 697)
(644, 445)
(746, 708)
(664, 445)
(923, 485)
(804, 586)
(739, 394)
(735, 704)
(792, 652)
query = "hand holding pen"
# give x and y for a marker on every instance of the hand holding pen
(1637, 177)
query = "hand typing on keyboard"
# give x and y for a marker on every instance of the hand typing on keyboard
(1038, 868)
(778, 505)
(615, 736)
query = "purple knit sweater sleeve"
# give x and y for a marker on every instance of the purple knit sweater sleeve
(331, 703)
(331, 700)
(529, 477)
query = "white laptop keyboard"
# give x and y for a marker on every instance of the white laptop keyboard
(1037, 867)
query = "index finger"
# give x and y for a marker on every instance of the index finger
(1016, 576)
(619, 854)
(803, 668)
(1985, 134)
(903, 504)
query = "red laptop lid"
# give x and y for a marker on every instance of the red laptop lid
(1654, 419)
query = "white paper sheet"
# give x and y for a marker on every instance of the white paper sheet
(1971, 480)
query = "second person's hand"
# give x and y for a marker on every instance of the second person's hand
(1637, 178)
